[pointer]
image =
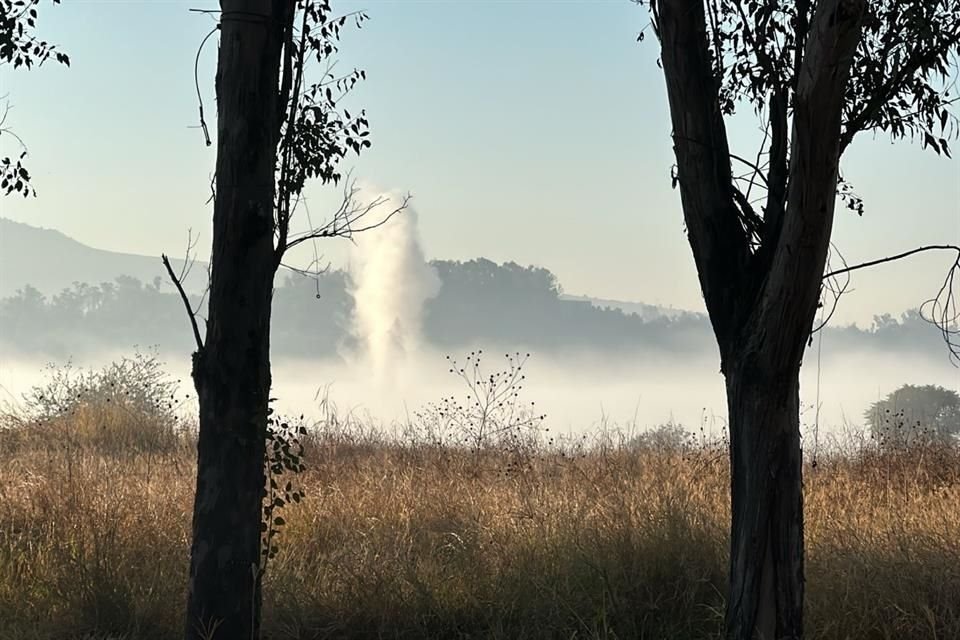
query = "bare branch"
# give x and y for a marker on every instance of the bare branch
(941, 310)
(351, 217)
(835, 287)
(779, 168)
(186, 302)
(905, 254)
(189, 256)
(757, 171)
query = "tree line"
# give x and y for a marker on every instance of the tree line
(479, 302)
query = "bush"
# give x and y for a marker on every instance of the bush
(130, 405)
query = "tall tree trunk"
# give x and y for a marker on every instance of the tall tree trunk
(765, 600)
(761, 302)
(232, 370)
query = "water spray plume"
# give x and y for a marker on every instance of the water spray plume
(390, 281)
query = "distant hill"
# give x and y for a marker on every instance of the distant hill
(642, 309)
(50, 261)
(479, 302)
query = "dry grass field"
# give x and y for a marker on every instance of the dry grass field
(400, 538)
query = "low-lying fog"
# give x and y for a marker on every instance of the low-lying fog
(576, 392)
(396, 373)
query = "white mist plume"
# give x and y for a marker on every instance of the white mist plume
(390, 283)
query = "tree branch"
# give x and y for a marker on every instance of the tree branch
(779, 169)
(720, 245)
(196, 81)
(186, 302)
(350, 218)
(905, 254)
(836, 289)
(799, 252)
(940, 310)
(288, 120)
(921, 57)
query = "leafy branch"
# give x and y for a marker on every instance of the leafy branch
(19, 47)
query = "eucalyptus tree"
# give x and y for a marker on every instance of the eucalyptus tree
(276, 129)
(817, 74)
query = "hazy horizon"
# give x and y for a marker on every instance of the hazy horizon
(527, 151)
(392, 366)
(547, 155)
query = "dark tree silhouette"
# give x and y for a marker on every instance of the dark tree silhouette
(915, 415)
(275, 131)
(818, 73)
(20, 48)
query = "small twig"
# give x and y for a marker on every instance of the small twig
(186, 302)
(756, 163)
(943, 307)
(341, 224)
(758, 172)
(837, 289)
(189, 258)
(905, 254)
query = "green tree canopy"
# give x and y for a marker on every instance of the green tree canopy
(914, 414)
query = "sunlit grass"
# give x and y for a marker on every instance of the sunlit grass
(402, 539)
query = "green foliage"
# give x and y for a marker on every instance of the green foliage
(900, 77)
(283, 464)
(315, 130)
(19, 47)
(915, 415)
(900, 82)
(318, 133)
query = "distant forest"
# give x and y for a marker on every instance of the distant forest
(479, 303)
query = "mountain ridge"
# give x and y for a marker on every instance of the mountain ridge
(22, 243)
(50, 261)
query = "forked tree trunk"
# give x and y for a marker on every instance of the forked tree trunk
(765, 599)
(761, 301)
(232, 370)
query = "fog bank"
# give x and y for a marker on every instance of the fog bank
(579, 392)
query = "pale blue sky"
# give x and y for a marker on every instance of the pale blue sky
(526, 131)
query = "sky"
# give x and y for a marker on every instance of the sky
(529, 131)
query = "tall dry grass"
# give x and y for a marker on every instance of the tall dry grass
(403, 539)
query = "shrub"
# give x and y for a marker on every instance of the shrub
(130, 405)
